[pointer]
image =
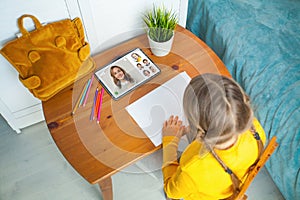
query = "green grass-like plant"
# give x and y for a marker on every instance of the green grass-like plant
(161, 23)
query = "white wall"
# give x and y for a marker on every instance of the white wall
(111, 22)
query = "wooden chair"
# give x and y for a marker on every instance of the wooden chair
(269, 149)
(272, 145)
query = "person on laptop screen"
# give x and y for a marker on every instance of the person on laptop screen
(121, 78)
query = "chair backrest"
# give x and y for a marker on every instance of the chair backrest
(261, 162)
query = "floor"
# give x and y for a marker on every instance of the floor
(32, 168)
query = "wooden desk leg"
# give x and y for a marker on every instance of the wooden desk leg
(106, 188)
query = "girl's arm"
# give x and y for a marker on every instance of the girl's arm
(174, 180)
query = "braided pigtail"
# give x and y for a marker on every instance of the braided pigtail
(259, 142)
(236, 182)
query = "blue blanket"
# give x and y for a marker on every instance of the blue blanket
(259, 42)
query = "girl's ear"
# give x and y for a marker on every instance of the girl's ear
(200, 136)
(200, 133)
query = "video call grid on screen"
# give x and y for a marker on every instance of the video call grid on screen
(126, 73)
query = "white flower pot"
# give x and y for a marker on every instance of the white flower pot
(160, 48)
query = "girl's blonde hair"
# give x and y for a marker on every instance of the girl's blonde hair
(216, 107)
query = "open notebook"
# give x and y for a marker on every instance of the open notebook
(154, 108)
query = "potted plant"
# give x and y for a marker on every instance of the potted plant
(161, 24)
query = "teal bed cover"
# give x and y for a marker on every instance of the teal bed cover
(259, 42)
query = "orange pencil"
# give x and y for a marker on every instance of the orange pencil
(97, 104)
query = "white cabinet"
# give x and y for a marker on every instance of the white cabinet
(17, 105)
(106, 23)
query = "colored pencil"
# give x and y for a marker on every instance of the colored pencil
(84, 93)
(100, 105)
(97, 105)
(88, 91)
(93, 107)
(78, 100)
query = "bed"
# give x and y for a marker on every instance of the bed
(259, 42)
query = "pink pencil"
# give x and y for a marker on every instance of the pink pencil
(100, 105)
(88, 90)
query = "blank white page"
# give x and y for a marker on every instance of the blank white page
(151, 110)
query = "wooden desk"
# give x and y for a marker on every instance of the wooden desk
(97, 151)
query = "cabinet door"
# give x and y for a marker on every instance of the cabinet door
(17, 104)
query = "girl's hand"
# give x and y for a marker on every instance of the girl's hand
(173, 127)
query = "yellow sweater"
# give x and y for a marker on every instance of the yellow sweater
(199, 175)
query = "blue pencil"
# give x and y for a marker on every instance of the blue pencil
(84, 93)
(93, 107)
(88, 90)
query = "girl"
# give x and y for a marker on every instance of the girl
(136, 57)
(121, 78)
(221, 127)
